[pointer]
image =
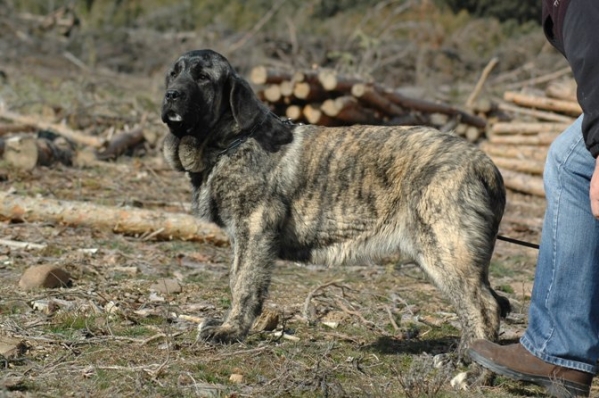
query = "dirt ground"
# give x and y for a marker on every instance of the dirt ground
(378, 330)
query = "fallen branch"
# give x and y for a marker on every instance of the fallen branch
(129, 221)
(481, 81)
(307, 311)
(60, 129)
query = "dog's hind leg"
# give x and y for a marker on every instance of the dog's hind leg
(457, 270)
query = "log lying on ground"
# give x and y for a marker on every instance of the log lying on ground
(541, 115)
(264, 75)
(522, 182)
(533, 152)
(294, 112)
(27, 152)
(550, 104)
(128, 221)
(523, 139)
(315, 115)
(349, 110)
(121, 142)
(273, 94)
(376, 100)
(15, 128)
(332, 81)
(60, 129)
(529, 166)
(527, 127)
(305, 76)
(309, 92)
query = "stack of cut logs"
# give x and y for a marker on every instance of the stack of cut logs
(327, 98)
(519, 147)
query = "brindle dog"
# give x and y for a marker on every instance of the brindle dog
(330, 195)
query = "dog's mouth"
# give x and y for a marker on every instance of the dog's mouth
(172, 117)
(175, 122)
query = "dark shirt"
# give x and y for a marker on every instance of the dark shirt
(571, 27)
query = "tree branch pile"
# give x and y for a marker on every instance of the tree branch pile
(327, 98)
(519, 146)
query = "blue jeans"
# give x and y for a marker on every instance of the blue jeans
(563, 326)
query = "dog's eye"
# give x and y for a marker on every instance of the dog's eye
(202, 76)
(173, 73)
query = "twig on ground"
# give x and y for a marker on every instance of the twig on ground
(391, 319)
(307, 302)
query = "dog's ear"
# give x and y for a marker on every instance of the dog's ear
(245, 105)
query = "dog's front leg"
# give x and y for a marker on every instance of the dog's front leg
(249, 280)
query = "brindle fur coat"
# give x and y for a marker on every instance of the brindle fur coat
(330, 195)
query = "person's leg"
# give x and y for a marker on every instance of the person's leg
(560, 347)
(563, 324)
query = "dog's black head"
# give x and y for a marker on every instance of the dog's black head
(208, 107)
(204, 93)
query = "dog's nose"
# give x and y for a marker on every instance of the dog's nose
(173, 95)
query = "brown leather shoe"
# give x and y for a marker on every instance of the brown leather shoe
(516, 362)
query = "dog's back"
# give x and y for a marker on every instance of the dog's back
(352, 185)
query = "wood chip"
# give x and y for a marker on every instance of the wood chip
(267, 321)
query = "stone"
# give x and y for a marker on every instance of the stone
(236, 378)
(11, 347)
(44, 276)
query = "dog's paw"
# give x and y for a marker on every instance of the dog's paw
(215, 331)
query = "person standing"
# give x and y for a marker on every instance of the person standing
(560, 347)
